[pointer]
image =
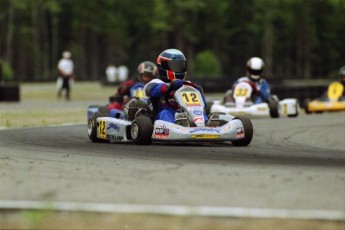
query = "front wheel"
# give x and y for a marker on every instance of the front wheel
(248, 132)
(92, 128)
(141, 130)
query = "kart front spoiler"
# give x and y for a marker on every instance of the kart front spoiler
(166, 131)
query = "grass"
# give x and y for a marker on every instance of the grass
(39, 105)
(45, 219)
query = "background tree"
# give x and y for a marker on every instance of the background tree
(206, 65)
(296, 38)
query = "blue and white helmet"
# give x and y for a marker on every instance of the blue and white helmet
(172, 64)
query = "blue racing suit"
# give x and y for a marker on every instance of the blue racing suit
(156, 90)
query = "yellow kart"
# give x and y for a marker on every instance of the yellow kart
(332, 101)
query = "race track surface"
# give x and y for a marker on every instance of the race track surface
(292, 163)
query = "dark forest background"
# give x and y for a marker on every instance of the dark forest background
(300, 39)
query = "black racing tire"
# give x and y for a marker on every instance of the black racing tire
(305, 106)
(273, 105)
(141, 130)
(248, 132)
(92, 128)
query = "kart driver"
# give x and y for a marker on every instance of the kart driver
(342, 78)
(261, 88)
(146, 71)
(336, 90)
(172, 70)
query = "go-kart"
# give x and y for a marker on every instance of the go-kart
(241, 102)
(135, 91)
(140, 127)
(333, 100)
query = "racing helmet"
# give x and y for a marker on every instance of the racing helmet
(172, 64)
(146, 71)
(255, 67)
(66, 54)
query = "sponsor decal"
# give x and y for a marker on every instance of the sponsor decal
(197, 112)
(114, 138)
(207, 136)
(198, 119)
(228, 127)
(261, 108)
(239, 132)
(161, 132)
(173, 126)
(205, 129)
(113, 126)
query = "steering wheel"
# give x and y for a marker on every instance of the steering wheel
(167, 94)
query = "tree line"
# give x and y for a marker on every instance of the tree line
(296, 38)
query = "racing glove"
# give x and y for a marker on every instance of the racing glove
(175, 84)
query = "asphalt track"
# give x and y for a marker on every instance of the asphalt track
(292, 164)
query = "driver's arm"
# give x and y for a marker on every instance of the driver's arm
(265, 91)
(156, 89)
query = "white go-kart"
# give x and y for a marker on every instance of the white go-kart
(240, 103)
(139, 126)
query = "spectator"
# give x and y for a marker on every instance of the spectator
(66, 75)
(111, 72)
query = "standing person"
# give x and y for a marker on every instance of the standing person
(111, 72)
(254, 76)
(172, 71)
(146, 71)
(122, 73)
(66, 74)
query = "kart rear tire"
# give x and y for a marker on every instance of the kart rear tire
(248, 132)
(92, 128)
(273, 105)
(141, 130)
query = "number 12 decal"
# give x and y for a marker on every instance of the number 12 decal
(190, 98)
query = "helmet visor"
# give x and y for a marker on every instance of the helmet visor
(177, 66)
(255, 72)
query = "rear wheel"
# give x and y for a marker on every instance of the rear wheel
(248, 132)
(141, 130)
(92, 128)
(274, 108)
